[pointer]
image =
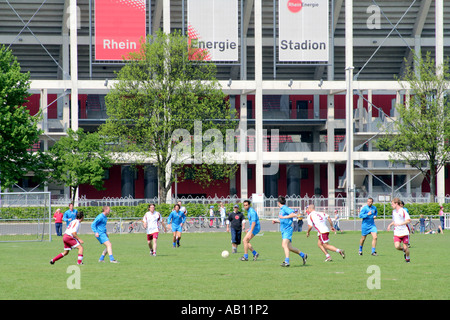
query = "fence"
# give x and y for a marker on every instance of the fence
(34, 223)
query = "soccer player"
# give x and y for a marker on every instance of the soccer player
(402, 204)
(255, 227)
(70, 215)
(368, 214)
(98, 226)
(71, 240)
(151, 222)
(182, 208)
(401, 219)
(176, 220)
(285, 220)
(319, 221)
(237, 223)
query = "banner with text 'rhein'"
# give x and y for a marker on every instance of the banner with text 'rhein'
(303, 30)
(213, 30)
(119, 27)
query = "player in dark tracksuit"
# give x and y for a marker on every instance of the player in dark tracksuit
(237, 223)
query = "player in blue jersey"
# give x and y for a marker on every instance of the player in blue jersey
(368, 214)
(70, 214)
(255, 227)
(286, 218)
(176, 219)
(98, 226)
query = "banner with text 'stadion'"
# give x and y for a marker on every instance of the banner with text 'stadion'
(213, 30)
(303, 30)
(119, 27)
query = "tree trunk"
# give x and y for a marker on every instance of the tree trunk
(74, 192)
(162, 185)
(432, 183)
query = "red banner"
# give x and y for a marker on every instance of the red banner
(119, 27)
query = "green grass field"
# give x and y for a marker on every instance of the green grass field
(197, 271)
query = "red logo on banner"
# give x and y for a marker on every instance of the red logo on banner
(295, 5)
(119, 27)
(196, 53)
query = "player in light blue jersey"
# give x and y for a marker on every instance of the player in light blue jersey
(286, 218)
(368, 214)
(255, 227)
(98, 226)
(176, 219)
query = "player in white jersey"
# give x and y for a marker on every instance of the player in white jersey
(182, 208)
(151, 222)
(401, 219)
(71, 240)
(319, 220)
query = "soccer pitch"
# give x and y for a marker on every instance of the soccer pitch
(197, 271)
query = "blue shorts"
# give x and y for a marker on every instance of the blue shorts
(256, 230)
(176, 228)
(368, 229)
(287, 234)
(102, 238)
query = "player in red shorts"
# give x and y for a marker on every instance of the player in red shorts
(151, 222)
(401, 219)
(319, 221)
(71, 240)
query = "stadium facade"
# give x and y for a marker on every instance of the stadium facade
(326, 113)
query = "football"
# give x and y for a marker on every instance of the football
(225, 254)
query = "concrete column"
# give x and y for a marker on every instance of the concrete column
(166, 16)
(258, 98)
(74, 64)
(127, 181)
(150, 182)
(349, 101)
(242, 147)
(440, 181)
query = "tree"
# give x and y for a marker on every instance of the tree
(161, 100)
(422, 131)
(18, 129)
(80, 158)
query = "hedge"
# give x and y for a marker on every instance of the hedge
(194, 210)
(414, 209)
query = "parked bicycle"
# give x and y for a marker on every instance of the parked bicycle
(118, 227)
(188, 224)
(134, 226)
(200, 222)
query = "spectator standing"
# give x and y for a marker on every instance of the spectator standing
(58, 216)
(237, 223)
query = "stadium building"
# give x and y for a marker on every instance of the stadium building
(314, 79)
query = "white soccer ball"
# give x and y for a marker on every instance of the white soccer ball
(225, 254)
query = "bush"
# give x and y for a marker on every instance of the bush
(193, 209)
(414, 209)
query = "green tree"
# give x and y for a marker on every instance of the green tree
(155, 105)
(80, 158)
(422, 132)
(18, 129)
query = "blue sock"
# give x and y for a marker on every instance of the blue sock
(373, 250)
(111, 258)
(174, 244)
(254, 252)
(360, 248)
(286, 260)
(302, 254)
(102, 257)
(245, 255)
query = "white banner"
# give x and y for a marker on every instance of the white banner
(213, 29)
(303, 30)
